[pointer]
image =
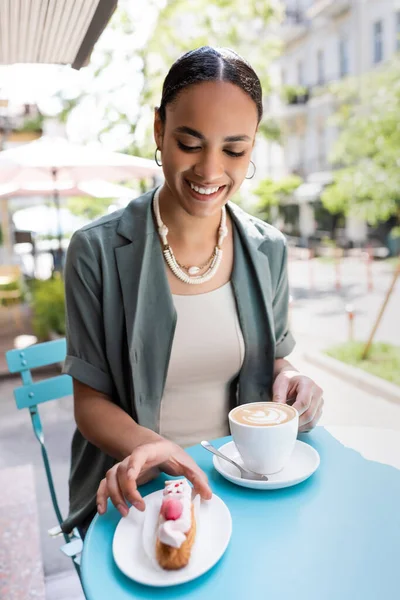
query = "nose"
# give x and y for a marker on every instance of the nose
(209, 166)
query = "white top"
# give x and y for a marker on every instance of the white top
(207, 354)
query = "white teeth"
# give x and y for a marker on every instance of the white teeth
(206, 191)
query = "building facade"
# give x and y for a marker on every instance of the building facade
(323, 41)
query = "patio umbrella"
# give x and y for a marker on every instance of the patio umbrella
(44, 220)
(96, 188)
(53, 160)
(47, 220)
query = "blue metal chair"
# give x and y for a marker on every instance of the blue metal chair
(29, 395)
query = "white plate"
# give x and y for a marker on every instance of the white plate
(134, 541)
(303, 463)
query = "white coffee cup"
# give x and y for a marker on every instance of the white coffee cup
(265, 434)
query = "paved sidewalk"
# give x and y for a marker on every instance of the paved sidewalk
(21, 570)
(346, 404)
(318, 310)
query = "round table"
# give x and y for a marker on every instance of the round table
(335, 536)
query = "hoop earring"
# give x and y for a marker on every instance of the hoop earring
(155, 158)
(254, 171)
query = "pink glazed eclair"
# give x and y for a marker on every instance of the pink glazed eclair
(176, 526)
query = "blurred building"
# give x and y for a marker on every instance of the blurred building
(323, 41)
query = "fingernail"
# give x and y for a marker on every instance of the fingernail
(137, 505)
(100, 509)
(123, 509)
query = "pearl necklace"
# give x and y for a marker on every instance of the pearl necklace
(191, 277)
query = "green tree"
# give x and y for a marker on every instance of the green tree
(180, 25)
(272, 193)
(90, 208)
(186, 24)
(367, 150)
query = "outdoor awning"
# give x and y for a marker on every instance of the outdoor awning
(52, 31)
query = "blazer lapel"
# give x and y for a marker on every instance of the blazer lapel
(148, 307)
(251, 280)
(256, 247)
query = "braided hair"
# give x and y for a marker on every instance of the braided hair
(210, 64)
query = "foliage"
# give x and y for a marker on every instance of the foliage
(180, 25)
(395, 232)
(368, 147)
(18, 285)
(91, 208)
(33, 124)
(292, 94)
(270, 129)
(186, 24)
(68, 104)
(272, 193)
(383, 359)
(48, 305)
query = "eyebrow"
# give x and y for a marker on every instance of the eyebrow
(200, 136)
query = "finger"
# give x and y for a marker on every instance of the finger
(101, 497)
(148, 475)
(280, 389)
(309, 414)
(198, 478)
(115, 493)
(303, 398)
(136, 464)
(310, 425)
(128, 483)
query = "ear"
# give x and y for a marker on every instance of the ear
(158, 129)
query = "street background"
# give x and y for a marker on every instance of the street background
(327, 175)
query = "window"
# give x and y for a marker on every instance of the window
(398, 31)
(378, 41)
(300, 73)
(320, 67)
(344, 57)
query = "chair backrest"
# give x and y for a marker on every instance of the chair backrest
(39, 355)
(30, 394)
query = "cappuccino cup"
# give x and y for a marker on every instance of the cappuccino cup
(265, 434)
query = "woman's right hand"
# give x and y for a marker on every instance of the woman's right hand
(143, 464)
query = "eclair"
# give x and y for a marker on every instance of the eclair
(176, 526)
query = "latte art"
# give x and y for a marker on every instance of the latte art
(263, 414)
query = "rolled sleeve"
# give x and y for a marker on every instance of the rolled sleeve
(285, 345)
(86, 354)
(285, 341)
(88, 374)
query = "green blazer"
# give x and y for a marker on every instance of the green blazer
(121, 321)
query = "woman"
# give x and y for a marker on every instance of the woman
(177, 306)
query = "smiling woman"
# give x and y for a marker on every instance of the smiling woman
(177, 306)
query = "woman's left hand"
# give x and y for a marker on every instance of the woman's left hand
(309, 402)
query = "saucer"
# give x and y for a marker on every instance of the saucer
(302, 464)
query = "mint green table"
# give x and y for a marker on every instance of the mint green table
(335, 536)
